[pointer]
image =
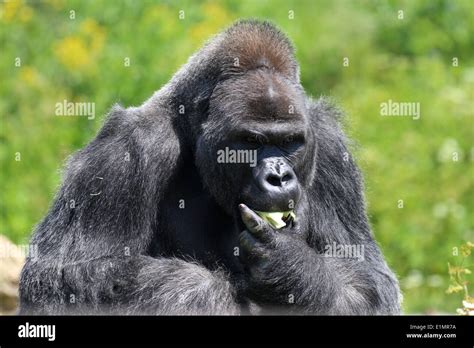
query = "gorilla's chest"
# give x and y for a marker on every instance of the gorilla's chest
(191, 224)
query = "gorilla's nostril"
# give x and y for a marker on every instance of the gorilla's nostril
(286, 178)
(274, 180)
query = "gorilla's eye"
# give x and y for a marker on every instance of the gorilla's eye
(254, 139)
(292, 141)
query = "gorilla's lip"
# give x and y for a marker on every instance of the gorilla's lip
(270, 209)
(259, 200)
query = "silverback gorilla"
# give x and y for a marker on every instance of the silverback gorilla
(148, 221)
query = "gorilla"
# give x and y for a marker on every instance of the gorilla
(149, 221)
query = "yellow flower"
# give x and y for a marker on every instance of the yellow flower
(79, 51)
(72, 52)
(15, 9)
(10, 9)
(94, 32)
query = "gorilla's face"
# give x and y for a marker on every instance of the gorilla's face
(256, 145)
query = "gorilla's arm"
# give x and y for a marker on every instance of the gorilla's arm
(124, 285)
(289, 267)
(285, 271)
(92, 244)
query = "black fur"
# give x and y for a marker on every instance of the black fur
(116, 241)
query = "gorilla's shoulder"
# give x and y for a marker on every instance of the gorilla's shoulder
(117, 120)
(125, 120)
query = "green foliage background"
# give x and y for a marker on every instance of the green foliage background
(409, 59)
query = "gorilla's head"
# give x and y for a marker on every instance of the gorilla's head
(259, 118)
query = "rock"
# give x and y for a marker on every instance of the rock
(12, 258)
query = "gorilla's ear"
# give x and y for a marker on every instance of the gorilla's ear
(116, 182)
(337, 187)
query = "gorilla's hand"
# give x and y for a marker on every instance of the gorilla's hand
(269, 257)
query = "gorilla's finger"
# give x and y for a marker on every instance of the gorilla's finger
(250, 246)
(247, 241)
(255, 224)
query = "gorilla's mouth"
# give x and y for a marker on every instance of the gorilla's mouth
(277, 219)
(274, 210)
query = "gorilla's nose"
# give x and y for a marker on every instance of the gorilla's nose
(277, 178)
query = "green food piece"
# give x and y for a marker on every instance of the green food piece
(277, 218)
